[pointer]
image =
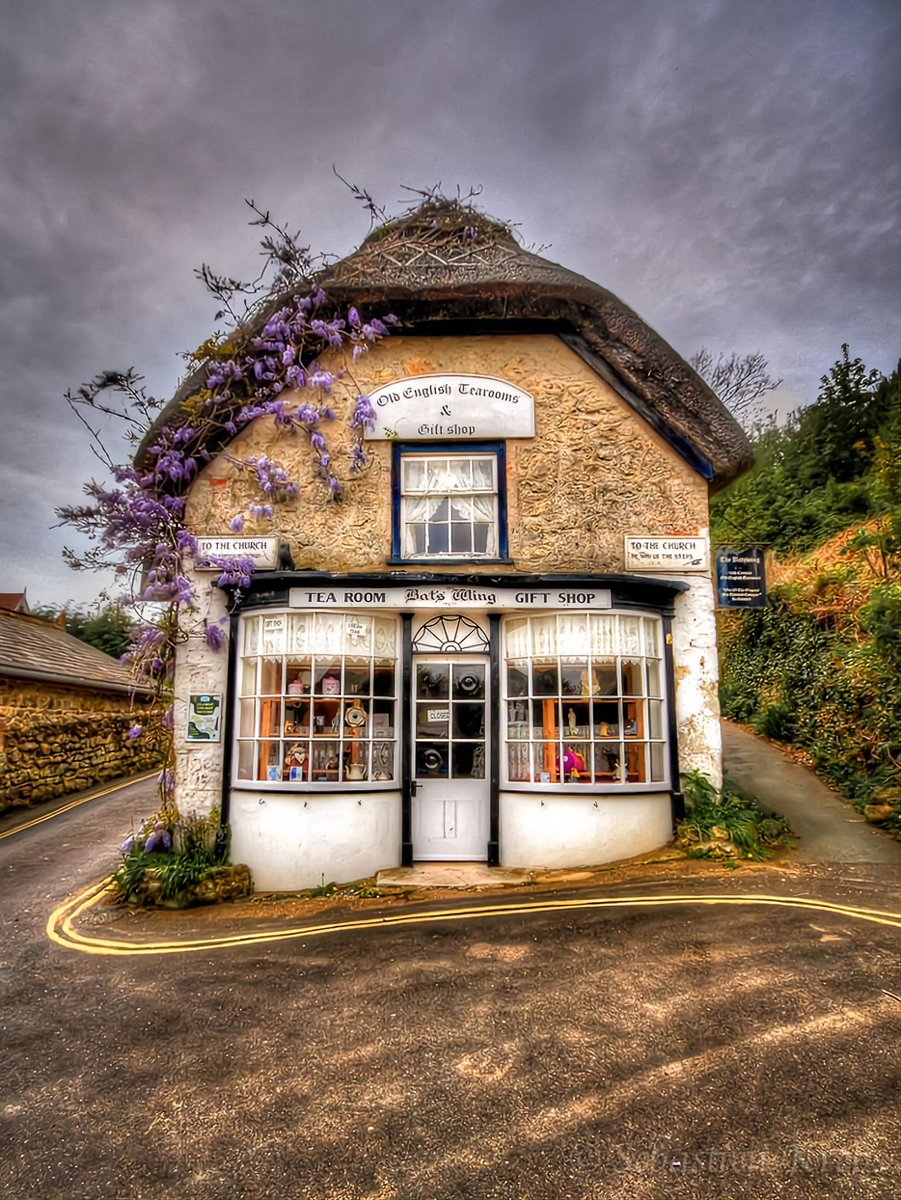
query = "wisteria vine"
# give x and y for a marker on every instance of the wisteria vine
(136, 524)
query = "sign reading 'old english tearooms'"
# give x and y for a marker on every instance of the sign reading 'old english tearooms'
(451, 407)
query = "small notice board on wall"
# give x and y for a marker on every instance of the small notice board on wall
(740, 578)
(204, 717)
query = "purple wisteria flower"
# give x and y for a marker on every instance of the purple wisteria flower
(139, 521)
(159, 840)
(215, 637)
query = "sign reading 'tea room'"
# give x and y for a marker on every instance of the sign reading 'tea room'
(452, 408)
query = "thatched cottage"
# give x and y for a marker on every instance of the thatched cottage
(500, 646)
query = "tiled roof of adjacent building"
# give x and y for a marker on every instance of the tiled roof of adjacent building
(14, 601)
(31, 648)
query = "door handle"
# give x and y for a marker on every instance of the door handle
(414, 787)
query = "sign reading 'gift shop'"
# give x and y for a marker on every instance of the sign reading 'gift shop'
(451, 408)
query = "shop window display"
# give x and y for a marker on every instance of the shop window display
(318, 702)
(584, 700)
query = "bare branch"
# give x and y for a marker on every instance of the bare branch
(740, 381)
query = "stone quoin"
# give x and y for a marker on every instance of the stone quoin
(459, 662)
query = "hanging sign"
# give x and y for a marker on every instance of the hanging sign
(451, 408)
(204, 717)
(262, 551)
(455, 596)
(667, 554)
(741, 578)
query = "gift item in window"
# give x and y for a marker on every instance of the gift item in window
(296, 761)
(610, 763)
(331, 686)
(572, 764)
(355, 771)
(355, 717)
(590, 684)
(300, 685)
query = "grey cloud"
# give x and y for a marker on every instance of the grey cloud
(730, 169)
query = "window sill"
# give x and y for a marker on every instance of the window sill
(315, 788)
(655, 788)
(449, 560)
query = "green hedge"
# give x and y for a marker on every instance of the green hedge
(795, 679)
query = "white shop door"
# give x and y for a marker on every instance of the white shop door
(450, 758)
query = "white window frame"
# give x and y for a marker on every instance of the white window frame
(410, 496)
(256, 700)
(526, 746)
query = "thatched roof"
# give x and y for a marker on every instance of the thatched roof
(445, 266)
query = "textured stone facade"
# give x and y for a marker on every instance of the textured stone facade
(55, 740)
(594, 471)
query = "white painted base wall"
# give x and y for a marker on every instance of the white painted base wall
(569, 831)
(292, 842)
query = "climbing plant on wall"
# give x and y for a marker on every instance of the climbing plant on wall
(264, 366)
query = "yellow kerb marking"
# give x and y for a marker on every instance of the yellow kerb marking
(58, 812)
(61, 923)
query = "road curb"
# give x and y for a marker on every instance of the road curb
(61, 924)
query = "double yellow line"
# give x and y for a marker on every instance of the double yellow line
(58, 812)
(61, 925)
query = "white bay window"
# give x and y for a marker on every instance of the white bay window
(317, 699)
(584, 700)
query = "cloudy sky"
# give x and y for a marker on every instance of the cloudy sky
(730, 168)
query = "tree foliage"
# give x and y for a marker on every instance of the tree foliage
(109, 628)
(821, 668)
(817, 473)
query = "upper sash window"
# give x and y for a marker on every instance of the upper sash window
(450, 505)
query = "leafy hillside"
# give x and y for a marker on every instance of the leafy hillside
(821, 667)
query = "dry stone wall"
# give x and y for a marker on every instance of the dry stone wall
(57, 740)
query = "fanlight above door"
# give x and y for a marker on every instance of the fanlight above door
(450, 635)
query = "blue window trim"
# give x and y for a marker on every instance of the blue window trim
(498, 449)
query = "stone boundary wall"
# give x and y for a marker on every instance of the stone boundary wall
(57, 740)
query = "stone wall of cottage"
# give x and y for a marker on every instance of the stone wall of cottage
(594, 471)
(57, 740)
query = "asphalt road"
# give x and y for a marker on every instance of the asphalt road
(697, 1052)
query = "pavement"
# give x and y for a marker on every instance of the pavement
(829, 827)
(652, 1030)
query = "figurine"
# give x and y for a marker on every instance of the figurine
(590, 684)
(572, 764)
(296, 756)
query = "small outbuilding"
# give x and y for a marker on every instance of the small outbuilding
(500, 646)
(65, 712)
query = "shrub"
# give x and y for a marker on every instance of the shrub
(729, 814)
(199, 844)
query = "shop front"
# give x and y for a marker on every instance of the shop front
(451, 719)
